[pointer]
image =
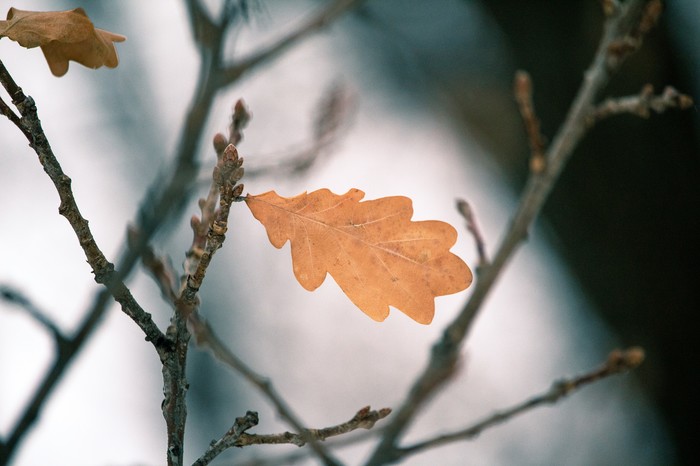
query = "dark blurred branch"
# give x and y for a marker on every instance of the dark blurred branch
(17, 298)
(320, 20)
(624, 29)
(617, 362)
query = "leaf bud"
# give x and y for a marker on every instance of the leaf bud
(220, 143)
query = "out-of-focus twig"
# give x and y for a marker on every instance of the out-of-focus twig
(467, 212)
(333, 113)
(325, 16)
(522, 90)
(617, 362)
(15, 297)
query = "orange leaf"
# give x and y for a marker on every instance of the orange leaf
(372, 249)
(62, 36)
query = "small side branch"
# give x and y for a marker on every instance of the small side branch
(332, 114)
(17, 298)
(617, 362)
(207, 339)
(323, 18)
(229, 439)
(365, 418)
(467, 212)
(642, 104)
(522, 89)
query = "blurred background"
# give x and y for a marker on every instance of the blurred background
(612, 263)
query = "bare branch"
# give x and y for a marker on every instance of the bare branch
(617, 362)
(12, 116)
(227, 172)
(626, 25)
(365, 418)
(103, 270)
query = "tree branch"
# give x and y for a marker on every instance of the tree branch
(623, 32)
(365, 418)
(163, 201)
(103, 270)
(617, 362)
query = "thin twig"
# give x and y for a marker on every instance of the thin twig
(229, 438)
(617, 362)
(17, 298)
(365, 418)
(625, 26)
(467, 212)
(298, 455)
(320, 20)
(522, 90)
(103, 270)
(642, 104)
(12, 116)
(332, 114)
(227, 172)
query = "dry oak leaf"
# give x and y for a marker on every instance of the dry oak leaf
(62, 36)
(372, 249)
